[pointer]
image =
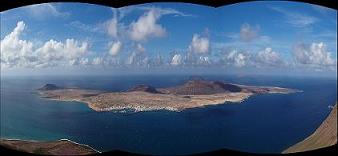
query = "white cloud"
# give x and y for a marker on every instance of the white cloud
(313, 55)
(124, 11)
(248, 33)
(97, 61)
(105, 61)
(176, 60)
(204, 60)
(132, 58)
(236, 58)
(138, 56)
(296, 19)
(79, 61)
(240, 60)
(199, 45)
(20, 53)
(268, 57)
(167, 11)
(111, 61)
(15, 51)
(86, 27)
(115, 48)
(46, 10)
(146, 27)
(142, 29)
(140, 48)
(71, 49)
(84, 61)
(112, 27)
(138, 59)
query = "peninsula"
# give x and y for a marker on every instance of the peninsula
(59, 147)
(194, 93)
(324, 136)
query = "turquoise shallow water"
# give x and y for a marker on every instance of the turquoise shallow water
(264, 123)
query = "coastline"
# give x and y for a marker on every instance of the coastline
(195, 102)
(192, 94)
(2, 140)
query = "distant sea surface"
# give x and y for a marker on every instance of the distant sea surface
(266, 123)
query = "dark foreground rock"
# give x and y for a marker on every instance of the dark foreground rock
(60, 147)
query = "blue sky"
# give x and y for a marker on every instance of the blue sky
(251, 37)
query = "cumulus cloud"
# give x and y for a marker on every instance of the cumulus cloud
(97, 61)
(84, 61)
(138, 56)
(176, 60)
(146, 27)
(204, 60)
(199, 45)
(115, 48)
(54, 50)
(111, 61)
(268, 57)
(240, 60)
(237, 59)
(106, 61)
(79, 61)
(315, 54)
(134, 59)
(248, 33)
(55, 53)
(15, 51)
(20, 53)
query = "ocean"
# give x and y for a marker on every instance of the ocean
(266, 123)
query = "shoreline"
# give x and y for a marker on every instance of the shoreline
(44, 141)
(142, 109)
(192, 94)
(199, 104)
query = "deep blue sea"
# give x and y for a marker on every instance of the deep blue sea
(264, 123)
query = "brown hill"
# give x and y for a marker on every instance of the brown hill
(201, 87)
(49, 87)
(144, 88)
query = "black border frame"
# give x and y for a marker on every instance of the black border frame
(11, 4)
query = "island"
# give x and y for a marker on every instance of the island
(324, 136)
(196, 92)
(59, 147)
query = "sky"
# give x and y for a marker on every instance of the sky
(244, 38)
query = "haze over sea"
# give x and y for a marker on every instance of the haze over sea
(264, 123)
